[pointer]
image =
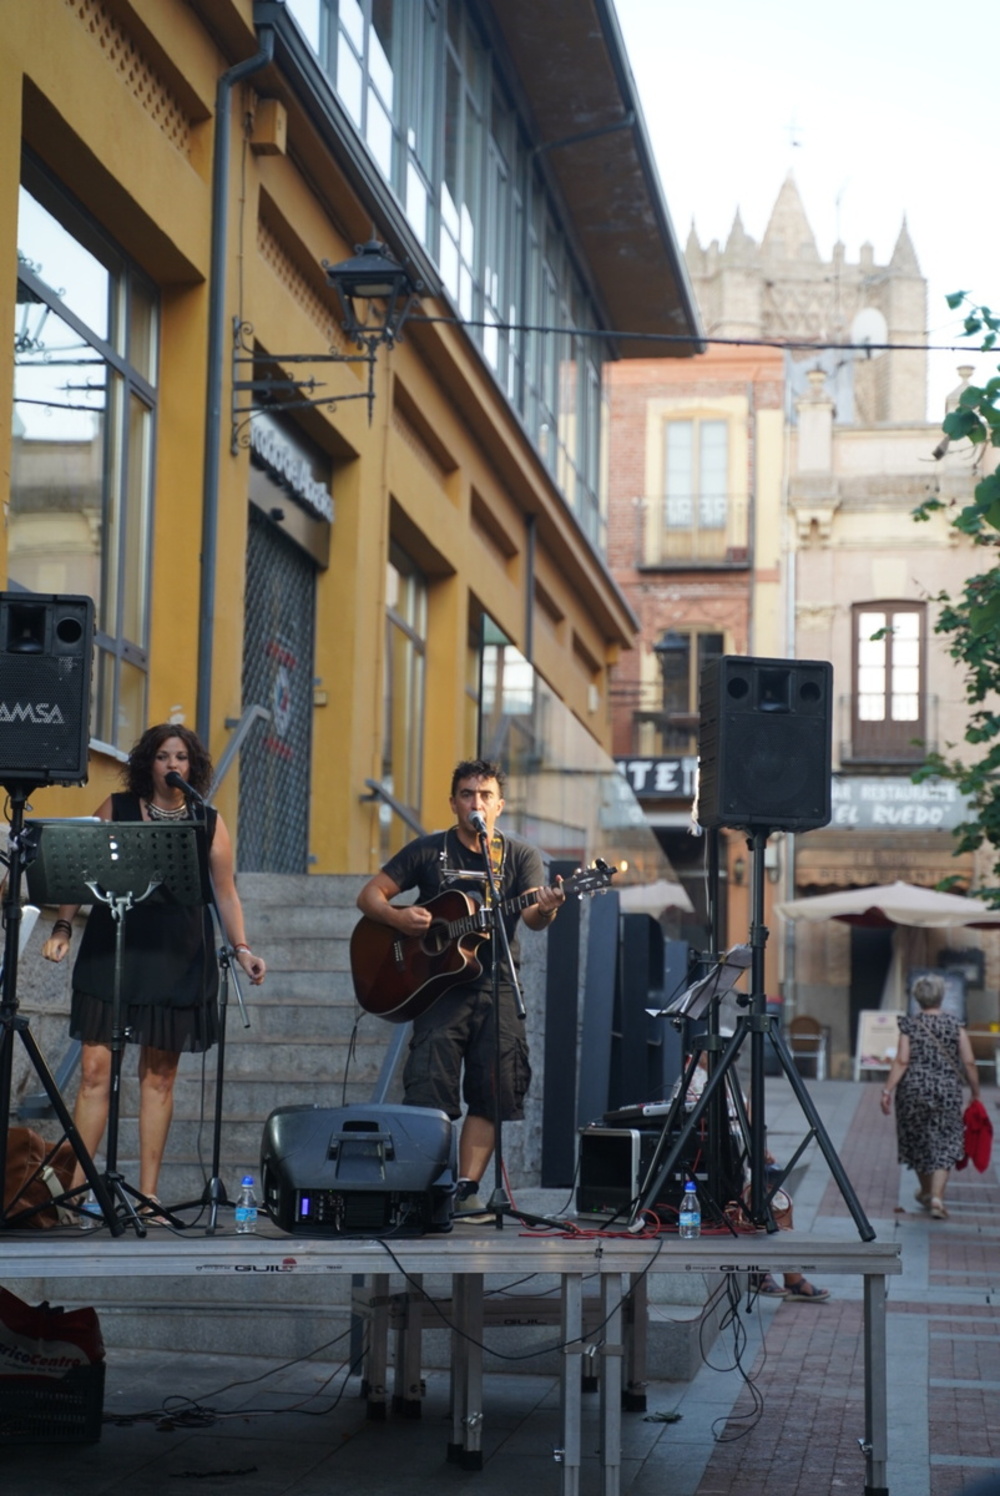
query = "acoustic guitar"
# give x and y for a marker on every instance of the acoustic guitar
(398, 977)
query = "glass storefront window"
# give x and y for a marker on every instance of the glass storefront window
(403, 693)
(564, 793)
(83, 420)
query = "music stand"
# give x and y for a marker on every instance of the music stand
(12, 1022)
(107, 862)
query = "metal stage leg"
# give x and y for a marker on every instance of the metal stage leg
(406, 1399)
(572, 1368)
(377, 1358)
(876, 1440)
(636, 1342)
(612, 1296)
(466, 1447)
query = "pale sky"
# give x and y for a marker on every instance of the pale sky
(887, 101)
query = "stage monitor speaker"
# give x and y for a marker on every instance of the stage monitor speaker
(46, 652)
(359, 1170)
(765, 744)
(613, 1164)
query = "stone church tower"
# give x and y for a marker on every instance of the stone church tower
(781, 288)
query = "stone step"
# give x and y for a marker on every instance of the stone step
(304, 986)
(320, 1019)
(305, 952)
(324, 921)
(317, 890)
(247, 1097)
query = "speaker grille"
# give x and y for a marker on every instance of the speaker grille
(765, 753)
(46, 645)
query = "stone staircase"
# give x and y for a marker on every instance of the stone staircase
(297, 1049)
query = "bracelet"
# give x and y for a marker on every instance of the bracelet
(62, 924)
(887, 1093)
(238, 948)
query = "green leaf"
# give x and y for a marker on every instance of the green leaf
(960, 423)
(983, 619)
(955, 299)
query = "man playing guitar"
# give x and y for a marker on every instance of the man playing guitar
(457, 1029)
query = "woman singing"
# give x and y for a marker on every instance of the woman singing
(170, 976)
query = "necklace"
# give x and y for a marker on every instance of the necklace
(157, 813)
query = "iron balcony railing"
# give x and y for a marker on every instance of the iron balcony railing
(702, 530)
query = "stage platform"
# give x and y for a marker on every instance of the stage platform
(616, 1266)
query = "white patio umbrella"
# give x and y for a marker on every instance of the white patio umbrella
(901, 904)
(653, 898)
(894, 904)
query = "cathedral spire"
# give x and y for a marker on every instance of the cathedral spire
(904, 257)
(788, 235)
(739, 242)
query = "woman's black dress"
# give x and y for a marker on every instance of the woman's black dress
(170, 976)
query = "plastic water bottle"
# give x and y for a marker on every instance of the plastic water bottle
(246, 1208)
(690, 1222)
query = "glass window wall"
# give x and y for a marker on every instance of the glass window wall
(85, 355)
(429, 100)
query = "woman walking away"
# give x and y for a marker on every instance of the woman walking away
(933, 1062)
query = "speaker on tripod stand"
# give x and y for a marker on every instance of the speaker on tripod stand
(765, 743)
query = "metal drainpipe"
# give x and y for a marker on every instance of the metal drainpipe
(529, 588)
(790, 986)
(216, 362)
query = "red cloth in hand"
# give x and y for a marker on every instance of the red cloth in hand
(978, 1137)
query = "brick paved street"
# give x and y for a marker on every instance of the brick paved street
(943, 1338)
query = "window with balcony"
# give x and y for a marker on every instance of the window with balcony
(700, 519)
(672, 727)
(888, 708)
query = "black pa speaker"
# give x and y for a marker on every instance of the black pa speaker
(359, 1170)
(765, 743)
(46, 652)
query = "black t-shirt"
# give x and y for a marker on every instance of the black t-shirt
(420, 865)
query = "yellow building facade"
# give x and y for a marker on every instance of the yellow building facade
(374, 589)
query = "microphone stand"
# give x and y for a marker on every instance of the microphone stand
(500, 1204)
(214, 1194)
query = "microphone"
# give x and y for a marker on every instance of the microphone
(178, 782)
(478, 823)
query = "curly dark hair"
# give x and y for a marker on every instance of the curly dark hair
(478, 768)
(138, 772)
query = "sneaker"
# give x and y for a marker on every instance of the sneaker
(471, 1206)
(806, 1293)
(467, 1201)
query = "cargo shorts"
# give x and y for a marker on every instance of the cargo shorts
(457, 1033)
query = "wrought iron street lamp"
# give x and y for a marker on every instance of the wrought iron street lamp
(376, 294)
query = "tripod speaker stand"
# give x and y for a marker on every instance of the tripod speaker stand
(12, 1022)
(756, 1024)
(107, 862)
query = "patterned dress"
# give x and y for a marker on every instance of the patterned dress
(929, 1128)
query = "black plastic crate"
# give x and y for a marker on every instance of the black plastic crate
(54, 1410)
